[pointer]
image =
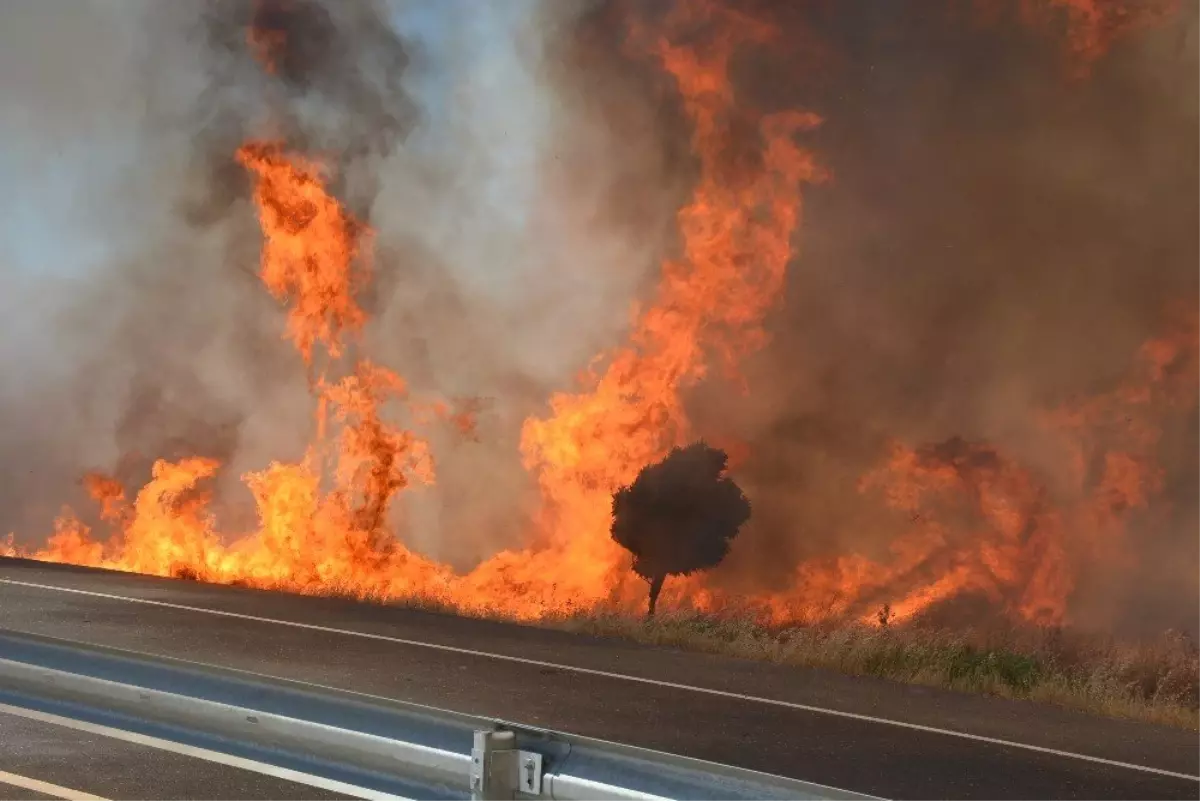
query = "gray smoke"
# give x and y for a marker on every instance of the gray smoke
(491, 278)
(997, 239)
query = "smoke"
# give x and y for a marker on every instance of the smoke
(491, 277)
(326, 78)
(524, 274)
(999, 239)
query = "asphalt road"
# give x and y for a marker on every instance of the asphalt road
(62, 762)
(809, 724)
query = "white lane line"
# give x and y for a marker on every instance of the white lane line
(619, 676)
(46, 788)
(199, 753)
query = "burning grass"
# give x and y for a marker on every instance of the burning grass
(1156, 681)
(976, 520)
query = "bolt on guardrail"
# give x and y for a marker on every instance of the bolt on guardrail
(500, 770)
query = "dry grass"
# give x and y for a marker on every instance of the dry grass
(1156, 681)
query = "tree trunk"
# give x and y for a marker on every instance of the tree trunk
(656, 584)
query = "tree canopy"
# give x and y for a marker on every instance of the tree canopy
(679, 515)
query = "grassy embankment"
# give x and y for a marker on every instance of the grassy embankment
(1157, 680)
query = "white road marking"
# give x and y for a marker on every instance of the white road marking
(619, 676)
(193, 751)
(46, 788)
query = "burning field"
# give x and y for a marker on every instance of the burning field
(376, 324)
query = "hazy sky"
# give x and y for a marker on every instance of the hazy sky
(63, 144)
(103, 130)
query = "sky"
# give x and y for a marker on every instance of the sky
(58, 157)
(73, 106)
(53, 152)
(994, 240)
(101, 137)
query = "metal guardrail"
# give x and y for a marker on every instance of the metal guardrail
(420, 751)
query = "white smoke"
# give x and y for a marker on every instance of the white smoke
(133, 322)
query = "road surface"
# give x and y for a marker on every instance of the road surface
(859, 734)
(41, 759)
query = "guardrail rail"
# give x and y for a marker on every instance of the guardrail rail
(398, 747)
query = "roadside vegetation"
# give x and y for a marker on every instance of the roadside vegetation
(1156, 681)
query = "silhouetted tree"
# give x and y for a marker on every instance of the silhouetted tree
(679, 515)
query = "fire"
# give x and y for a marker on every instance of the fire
(310, 538)
(375, 457)
(313, 256)
(711, 301)
(737, 241)
(1093, 26)
(1089, 28)
(977, 521)
(980, 523)
(267, 33)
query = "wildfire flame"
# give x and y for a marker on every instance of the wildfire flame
(1093, 26)
(979, 521)
(712, 300)
(982, 523)
(313, 255)
(309, 539)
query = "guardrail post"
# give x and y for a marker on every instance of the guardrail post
(289, 720)
(499, 770)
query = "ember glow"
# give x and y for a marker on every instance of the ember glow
(1094, 26)
(973, 520)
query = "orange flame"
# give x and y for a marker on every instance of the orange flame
(267, 42)
(736, 237)
(1089, 28)
(1093, 26)
(977, 521)
(711, 300)
(982, 524)
(313, 256)
(308, 539)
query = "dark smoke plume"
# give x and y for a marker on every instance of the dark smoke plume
(998, 239)
(1000, 236)
(325, 77)
(143, 330)
(679, 515)
(173, 347)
